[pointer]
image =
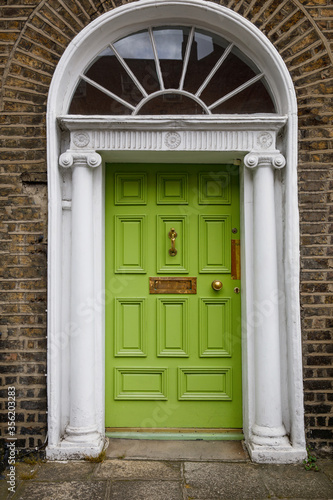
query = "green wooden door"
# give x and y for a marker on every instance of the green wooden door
(173, 360)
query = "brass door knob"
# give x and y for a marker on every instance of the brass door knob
(217, 285)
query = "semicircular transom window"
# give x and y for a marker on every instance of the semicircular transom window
(171, 70)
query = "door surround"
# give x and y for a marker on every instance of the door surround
(265, 147)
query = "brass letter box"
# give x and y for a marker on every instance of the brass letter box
(172, 285)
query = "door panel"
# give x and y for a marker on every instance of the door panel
(172, 327)
(214, 244)
(173, 360)
(215, 328)
(130, 242)
(129, 327)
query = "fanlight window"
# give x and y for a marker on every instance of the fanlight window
(171, 71)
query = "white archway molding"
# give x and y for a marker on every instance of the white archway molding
(272, 406)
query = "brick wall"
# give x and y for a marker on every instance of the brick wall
(33, 36)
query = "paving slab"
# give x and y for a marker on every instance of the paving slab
(293, 481)
(205, 481)
(146, 490)
(120, 469)
(26, 471)
(74, 490)
(4, 493)
(65, 471)
(327, 467)
(137, 449)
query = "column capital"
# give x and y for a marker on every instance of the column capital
(275, 160)
(89, 159)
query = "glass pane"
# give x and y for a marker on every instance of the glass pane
(228, 77)
(206, 51)
(137, 52)
(171, 104)
(171, 46)
(88, 100)
(253, 99)
(107, 71)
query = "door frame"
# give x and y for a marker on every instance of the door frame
(262, 145)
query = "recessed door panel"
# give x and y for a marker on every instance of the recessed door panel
(214, 244)
(172, 189)
(130, 243)
(172, 327)
(173, 342)
(130, 188)
(214, 188)
(205, 384)
(129, 327)
(140, 383)
(215, 334)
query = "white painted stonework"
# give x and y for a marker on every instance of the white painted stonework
(265, 147)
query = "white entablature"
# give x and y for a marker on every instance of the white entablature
(185, 134)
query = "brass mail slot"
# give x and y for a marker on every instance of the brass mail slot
(172, 285)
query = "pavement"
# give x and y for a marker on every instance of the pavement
(175, 470)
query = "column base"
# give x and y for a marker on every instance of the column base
(68, 450)
(286, 454)
(81, 435)
(269, 436)
(271, 445)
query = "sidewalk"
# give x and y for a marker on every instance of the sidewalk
(127, 478)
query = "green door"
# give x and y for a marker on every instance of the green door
(173, 346)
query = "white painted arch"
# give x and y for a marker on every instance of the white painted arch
(113, 138)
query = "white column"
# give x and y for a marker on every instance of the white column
(268, 429)
(82, 428)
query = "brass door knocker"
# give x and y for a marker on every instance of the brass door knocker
(172, 235)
